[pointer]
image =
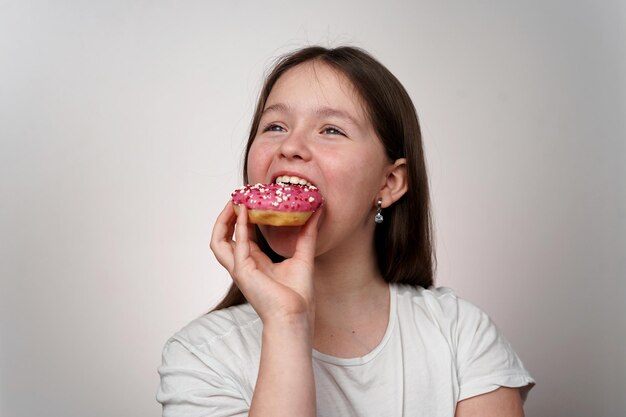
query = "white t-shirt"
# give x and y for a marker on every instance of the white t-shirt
(437, 350)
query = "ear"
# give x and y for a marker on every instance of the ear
(395, 184)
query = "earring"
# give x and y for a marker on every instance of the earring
(378, 218)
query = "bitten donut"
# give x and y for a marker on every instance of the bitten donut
(278, 204)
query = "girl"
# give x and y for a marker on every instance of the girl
(338, 317)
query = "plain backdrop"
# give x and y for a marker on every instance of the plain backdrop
(122, 126)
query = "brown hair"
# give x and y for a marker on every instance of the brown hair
(403, 241)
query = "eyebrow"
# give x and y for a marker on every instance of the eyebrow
(278, 108)
(321, 112)
(330, 112)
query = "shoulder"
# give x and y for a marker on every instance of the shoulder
(483, 358)
(457, 320)
(234, 330)
(439, 304)
(211, 362)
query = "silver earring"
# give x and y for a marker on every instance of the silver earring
(378, 218)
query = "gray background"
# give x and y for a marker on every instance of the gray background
(122, 125)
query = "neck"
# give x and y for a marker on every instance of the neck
(347, 282)
(351, 304)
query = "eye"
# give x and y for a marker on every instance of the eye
(273, 127)
(332, 130)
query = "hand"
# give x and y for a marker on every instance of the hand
(275, 290)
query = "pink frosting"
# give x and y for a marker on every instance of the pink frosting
(278, 197)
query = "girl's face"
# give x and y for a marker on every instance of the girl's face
(314, 127)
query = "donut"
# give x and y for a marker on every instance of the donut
(278, 204)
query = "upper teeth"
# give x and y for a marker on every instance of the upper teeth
(290, 179)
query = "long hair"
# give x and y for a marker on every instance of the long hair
(404, 241)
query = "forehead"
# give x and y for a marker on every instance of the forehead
(317, 84)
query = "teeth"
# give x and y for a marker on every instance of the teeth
(287, 179)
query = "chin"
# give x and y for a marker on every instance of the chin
(282, 239)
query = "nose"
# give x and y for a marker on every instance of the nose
(296, 146)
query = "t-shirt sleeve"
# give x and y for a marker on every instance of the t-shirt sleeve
(485, 359)
(194, 385)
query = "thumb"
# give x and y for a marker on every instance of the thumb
(307, 239)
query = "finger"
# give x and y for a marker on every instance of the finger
(225, 223)
(307, 238)
(221, 238)
(251, 232)
(242, 241)
(246, 272)
(263, 262)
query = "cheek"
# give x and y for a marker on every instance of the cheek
(355, 185)
(259, 159)
(360, 174)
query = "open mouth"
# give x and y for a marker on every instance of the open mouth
(293, 180)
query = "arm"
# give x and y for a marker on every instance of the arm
(196, 385)
(282, 295)
(503, 402)
(487, 365)
(285, 385)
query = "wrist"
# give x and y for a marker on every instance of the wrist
(288, 327)
(294, 319)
